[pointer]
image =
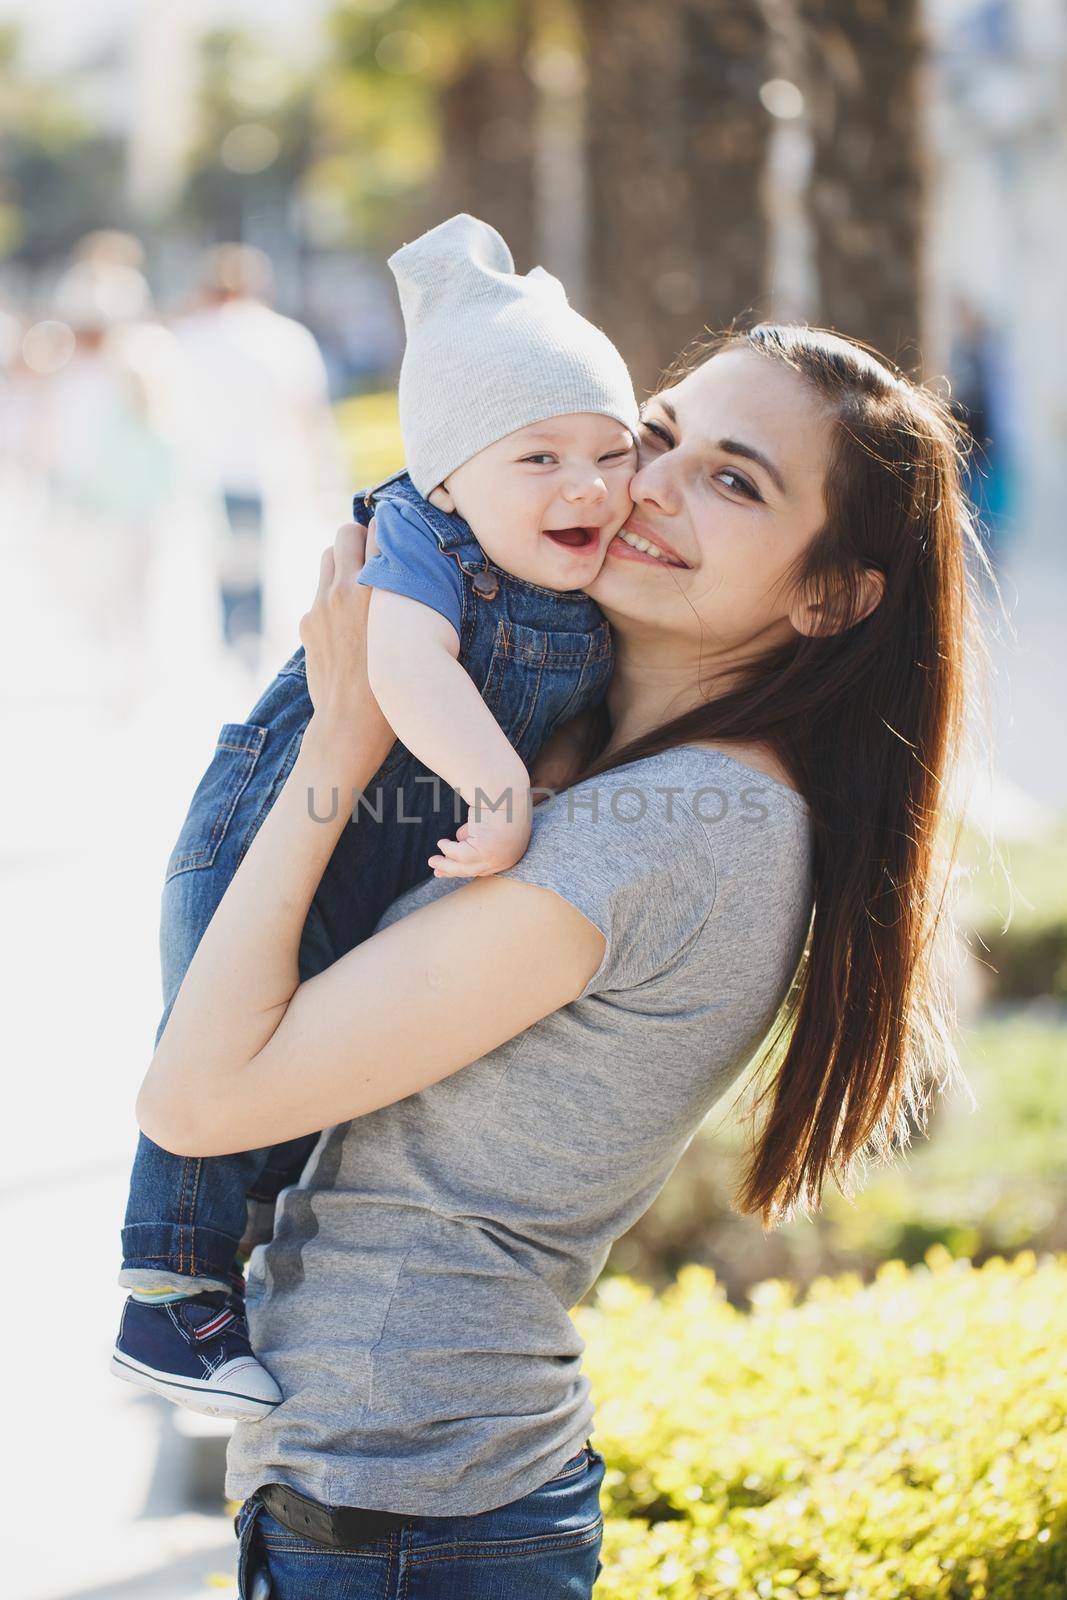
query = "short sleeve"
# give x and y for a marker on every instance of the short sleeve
(646, 881)
(410, 562)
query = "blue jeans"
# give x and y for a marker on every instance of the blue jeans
(542, 1547)
(242, 593)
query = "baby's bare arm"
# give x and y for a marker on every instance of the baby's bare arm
(431, 703)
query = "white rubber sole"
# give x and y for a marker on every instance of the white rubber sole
(192, 1393)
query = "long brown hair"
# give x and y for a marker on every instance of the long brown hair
(868, 720)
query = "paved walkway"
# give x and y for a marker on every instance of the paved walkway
(118, 1500)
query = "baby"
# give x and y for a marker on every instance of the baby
(517, 418)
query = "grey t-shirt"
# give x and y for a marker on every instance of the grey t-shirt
(413, 1305)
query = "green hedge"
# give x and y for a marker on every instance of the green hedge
(897, 1441)
(370, 433)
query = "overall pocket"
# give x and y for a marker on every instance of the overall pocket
(537, 680)
(217, 794)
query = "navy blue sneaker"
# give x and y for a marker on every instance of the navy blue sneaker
(196, 1353)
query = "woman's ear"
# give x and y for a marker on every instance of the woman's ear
(871, 591)
(441, 498)
(828, 615)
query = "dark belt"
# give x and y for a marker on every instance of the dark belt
(337, 1527)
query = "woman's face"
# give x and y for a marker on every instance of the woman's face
(729, 492)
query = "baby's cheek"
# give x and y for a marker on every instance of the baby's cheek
(621, 507)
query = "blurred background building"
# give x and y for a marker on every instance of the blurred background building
(198, 346)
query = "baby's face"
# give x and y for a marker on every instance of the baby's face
(545, 502)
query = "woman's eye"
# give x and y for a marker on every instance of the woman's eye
(740, 485)
(658, 432)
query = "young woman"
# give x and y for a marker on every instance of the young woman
(509, 1069)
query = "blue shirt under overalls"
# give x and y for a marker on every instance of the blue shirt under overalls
(538, 657)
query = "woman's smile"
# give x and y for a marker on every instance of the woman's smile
(635, 542)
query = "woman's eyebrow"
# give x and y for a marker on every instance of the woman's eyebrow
(731, 447)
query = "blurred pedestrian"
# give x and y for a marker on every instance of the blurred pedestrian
(981, 401)
(119, 544)
(99, 443)
(268, 436)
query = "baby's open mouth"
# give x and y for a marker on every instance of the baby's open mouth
(573, 538)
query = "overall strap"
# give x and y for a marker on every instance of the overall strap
(453, 535)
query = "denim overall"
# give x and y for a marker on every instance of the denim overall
(538, 658)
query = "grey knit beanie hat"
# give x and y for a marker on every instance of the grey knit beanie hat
(489, 351)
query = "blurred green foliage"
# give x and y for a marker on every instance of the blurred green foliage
(1029, 881)
(337, 149)
(255, 133)
(380, 93)
(1017, 907)
(357, 137)
(370, 435)
(901, 1439)
(984, 1180)
(60, 175)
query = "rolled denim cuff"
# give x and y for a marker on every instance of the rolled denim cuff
(172, 1250)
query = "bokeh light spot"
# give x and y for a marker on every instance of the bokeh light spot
(47, 346)
(250, 147)
(403, 52)
(782, 98)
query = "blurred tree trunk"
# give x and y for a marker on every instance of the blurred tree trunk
(487, 121)
(726, 64)
(638, 179)
(676, 138)
(862, 77)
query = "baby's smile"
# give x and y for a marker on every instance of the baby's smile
(578, 538)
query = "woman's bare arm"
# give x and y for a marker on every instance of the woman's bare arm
(414, 1003)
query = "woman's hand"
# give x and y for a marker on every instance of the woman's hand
(334, 636)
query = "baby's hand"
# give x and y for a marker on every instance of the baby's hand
(481, 848)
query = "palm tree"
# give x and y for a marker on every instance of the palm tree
(487, 118)
(727, 63)
(861, 78)
(426, 107)
(676, 138)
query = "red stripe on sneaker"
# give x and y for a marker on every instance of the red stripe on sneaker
(216, 1325)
